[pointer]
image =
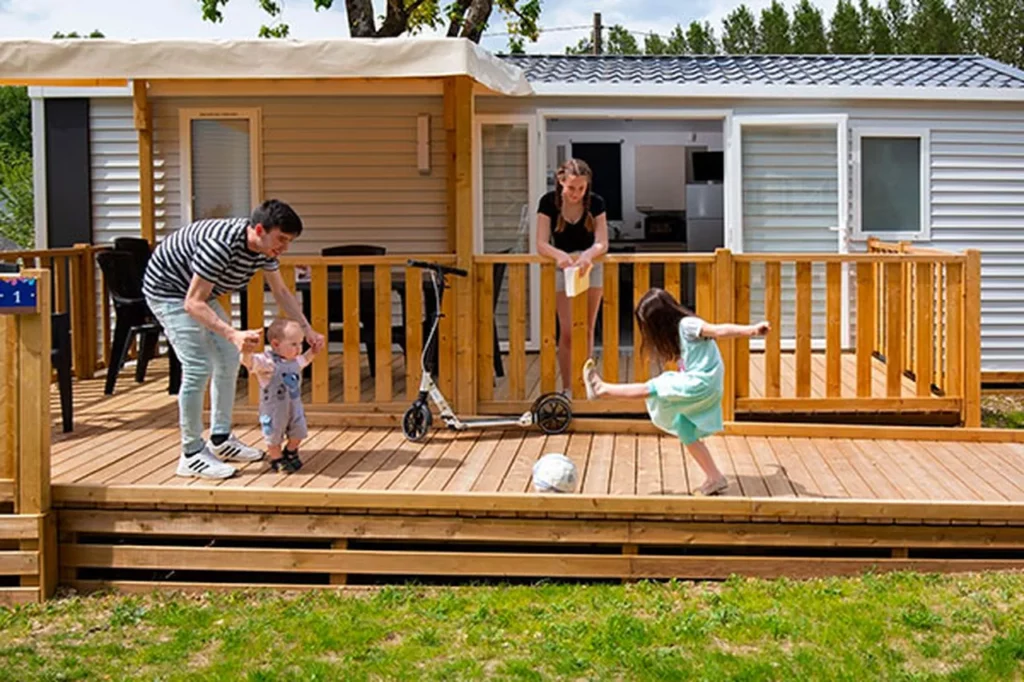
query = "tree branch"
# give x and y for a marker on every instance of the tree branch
(360, 18)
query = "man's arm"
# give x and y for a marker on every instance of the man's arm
(286, 300)
(199, 292)
(289, 303)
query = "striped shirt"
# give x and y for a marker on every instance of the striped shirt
(216, 250)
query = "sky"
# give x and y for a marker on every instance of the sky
(155, 19)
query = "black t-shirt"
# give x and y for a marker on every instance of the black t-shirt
(574, 236)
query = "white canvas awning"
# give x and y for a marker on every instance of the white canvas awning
(102, 62)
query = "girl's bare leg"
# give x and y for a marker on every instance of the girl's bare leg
(602, 388)
(564, 339)
(714, 479)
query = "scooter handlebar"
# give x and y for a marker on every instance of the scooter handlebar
(438, 268)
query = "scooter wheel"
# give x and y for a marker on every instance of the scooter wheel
(416, 422)
(552, 413)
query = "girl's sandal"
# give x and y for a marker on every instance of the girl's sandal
(589, 372)
(716, 488)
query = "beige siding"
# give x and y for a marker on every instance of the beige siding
(346, 164)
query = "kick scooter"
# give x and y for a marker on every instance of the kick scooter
(551, 412)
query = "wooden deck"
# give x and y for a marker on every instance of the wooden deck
(131, 438)
(369, 506)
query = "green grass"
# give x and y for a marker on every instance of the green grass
(891, 627)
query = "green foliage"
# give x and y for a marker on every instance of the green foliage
(739, 32)
(844, 36)
(16, 206)
(701, 38)
(621, 41)
(808, 30)
(776, 33)
(16, 119)
(898, 17)
(932, 28)
(875, 627)
(74, 34)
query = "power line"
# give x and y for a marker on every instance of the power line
(540, 30)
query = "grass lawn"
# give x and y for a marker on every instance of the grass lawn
(889, 627)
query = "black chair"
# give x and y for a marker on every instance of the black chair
(133, 319)
(138, 247)
(60, 357)
(367, 300)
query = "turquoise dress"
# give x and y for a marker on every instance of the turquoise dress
(688, 403)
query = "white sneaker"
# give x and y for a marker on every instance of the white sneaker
(204, 465)
(236, 450)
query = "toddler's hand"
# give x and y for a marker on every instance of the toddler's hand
(762, 328)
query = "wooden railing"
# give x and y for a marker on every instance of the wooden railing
(350, 284)
(75, 277)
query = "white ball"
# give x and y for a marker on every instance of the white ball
(554, 473)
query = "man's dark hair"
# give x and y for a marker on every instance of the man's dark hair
(277, 214)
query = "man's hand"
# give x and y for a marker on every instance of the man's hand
(248, 341)
(315, 340)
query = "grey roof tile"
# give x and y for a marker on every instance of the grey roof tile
(946, 71)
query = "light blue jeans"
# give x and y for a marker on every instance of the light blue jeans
(203, 355)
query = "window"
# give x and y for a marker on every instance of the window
(220, 172)
(891, 179)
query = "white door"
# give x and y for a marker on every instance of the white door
(506, 202)
(786, 178)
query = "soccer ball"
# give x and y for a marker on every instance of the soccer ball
(554, 473)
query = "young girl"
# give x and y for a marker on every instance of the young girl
(572, 228)
(687, 403)
(279, 372)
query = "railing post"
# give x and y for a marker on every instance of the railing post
(971, 415)
(724, 299)
(83, 311)
(31, 426)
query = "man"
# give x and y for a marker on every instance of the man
(186, 273)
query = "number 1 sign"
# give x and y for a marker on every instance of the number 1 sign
(18, 295)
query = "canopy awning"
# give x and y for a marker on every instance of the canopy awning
(112, 62)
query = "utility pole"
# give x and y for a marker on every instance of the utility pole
(597, 33)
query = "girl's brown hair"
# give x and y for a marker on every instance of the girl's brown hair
(574, 168)
(658, 316)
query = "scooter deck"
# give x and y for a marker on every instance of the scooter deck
(484, 422)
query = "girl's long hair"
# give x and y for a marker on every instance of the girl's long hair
(574, 168)
(658, 315)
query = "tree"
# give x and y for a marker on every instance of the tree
(74, 34)
(739, 32)
(655, 44)
(844, 36)
(899, 25)
(16, 209)
(808, 30)
(464, 18)
(932, 29)
(776, 37)
(621, 41)
(992, 27)
(877, 36)
(676, 41)
(701, 38)
(16, 119)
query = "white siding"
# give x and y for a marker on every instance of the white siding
(114, 170)
(790, 182)
(977, 202)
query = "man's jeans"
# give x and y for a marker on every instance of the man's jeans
(202, 354)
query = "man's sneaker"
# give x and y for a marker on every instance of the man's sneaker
(203, 464)
(235, 450)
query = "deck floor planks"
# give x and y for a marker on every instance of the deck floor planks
(131, 438)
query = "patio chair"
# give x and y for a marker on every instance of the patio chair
(133, 319)
(138, 247)
(60, 357)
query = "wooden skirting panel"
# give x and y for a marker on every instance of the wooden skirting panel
(176, 550)
(20, 558)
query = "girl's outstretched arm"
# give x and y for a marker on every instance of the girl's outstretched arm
(726, 331)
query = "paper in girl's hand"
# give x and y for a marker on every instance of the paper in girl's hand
(576, 281)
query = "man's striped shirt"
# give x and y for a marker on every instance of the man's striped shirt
(216, 250)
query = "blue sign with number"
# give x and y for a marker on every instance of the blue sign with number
(18, 295)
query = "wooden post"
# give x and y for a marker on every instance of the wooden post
(458, 120)
(972, 340)
(32, 453)
(143, 124)
(724, 299)
(254, 320)
(742, 310)
(318, 311)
